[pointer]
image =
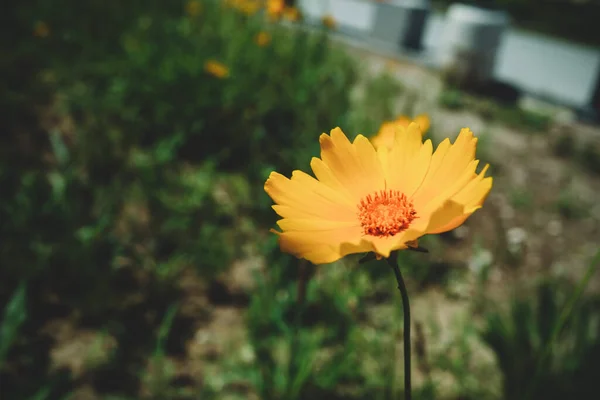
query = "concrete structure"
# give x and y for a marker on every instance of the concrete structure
(401, 21)
(470, 43)
(553, 69)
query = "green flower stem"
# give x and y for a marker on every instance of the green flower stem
(393, 262)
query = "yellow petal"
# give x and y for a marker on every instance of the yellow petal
(385, 245)
(423, 121)
(386, 135)
(403, 120)
(322, 190)
(408, 160)
(325, 175)
(305, 224)
(448, 212)
(447, 191)
(317, 201)
(320, 247)
(354, 165)
(472, 198)
(448, 165)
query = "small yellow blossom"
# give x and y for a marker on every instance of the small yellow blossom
(387, 131)
(328, 22)
(262, 39)
(41, 29)
(275, 8)
(291, 14)
(248, 7)
(216, 69)
(193, 8)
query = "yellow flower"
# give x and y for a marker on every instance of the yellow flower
(193, 8)
(216, 69)
(387, 131)
(275, 8)
(41, 29)
(368, 200)
(262, 39)
(328, 22)
(248, 7)
(291, 14)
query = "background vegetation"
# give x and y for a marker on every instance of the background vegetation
(135, 258)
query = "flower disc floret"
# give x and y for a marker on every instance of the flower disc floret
(385, 213)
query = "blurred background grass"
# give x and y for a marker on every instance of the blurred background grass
(135, 255)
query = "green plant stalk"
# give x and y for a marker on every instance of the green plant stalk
(15, 313)
(294, 374)
(562, 320)
(393, 262)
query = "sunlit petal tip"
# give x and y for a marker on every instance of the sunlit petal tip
(337, 131)
(467, 132)
(403, 120)
(272, 176)
(363, 140)
(336, 135)
(484, 170)
(275, 178)
(324, 138)
(275, 175)
(471, 210)
(414, 125)
(281, 224)
(384, 253)
(424, 122)
(414, 129)
(400, 128)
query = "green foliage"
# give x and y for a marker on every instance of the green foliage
(452, 99)
(15, 313)
(490, 110)
(570, 206)
(529, 121)
(520, 340)
(565, 144)
(151, 128)
(589, 156)
(303, 349)
(521, 199)
(125, 162)
(458, 358)
(132, 178)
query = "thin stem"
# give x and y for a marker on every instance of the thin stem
(393, 262)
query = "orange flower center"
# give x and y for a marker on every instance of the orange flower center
(385, 213)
